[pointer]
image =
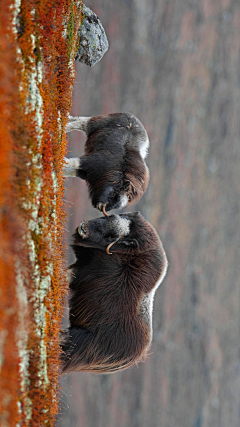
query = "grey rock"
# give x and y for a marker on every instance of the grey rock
(93, 42)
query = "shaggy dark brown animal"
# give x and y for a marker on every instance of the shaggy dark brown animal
(112, 293)
(113, 163)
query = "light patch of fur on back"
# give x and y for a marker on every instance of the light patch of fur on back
(139, 141)
(72, 165)
(143, 149)
(146, 304)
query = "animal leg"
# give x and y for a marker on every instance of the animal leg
(71, 166)
(77, 123)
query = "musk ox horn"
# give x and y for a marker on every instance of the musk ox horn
(103, 210)
(113, 243)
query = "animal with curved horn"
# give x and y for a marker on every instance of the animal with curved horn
(111, 296)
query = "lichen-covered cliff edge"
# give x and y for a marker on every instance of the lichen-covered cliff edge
(37, 48)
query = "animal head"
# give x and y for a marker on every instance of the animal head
(128, 232)
(122, 183)
(113, 195)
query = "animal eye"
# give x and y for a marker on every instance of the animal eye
(132, 242)
(126, 185)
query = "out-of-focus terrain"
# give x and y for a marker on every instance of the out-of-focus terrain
(37, 51)
(175, 65)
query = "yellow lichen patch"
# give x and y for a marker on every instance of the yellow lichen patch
(37, 45)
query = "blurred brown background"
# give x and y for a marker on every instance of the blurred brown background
(176, 65)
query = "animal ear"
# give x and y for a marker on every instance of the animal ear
(130, 242)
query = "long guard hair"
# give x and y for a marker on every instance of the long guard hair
(113, 163)
(111, 295)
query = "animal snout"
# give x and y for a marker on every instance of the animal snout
(82, 229)
(101, 207)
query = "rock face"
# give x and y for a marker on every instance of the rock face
(93, 42)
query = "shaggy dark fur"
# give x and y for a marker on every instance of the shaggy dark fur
(111, 295)
(113, 162)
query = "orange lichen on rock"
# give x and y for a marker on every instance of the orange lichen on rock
(9, 226)
(37, 44)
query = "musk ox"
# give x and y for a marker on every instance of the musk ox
(120, 262)
(113, 163)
